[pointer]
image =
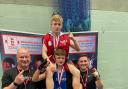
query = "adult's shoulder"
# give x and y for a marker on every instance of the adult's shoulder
(11, 70)
(9, 74)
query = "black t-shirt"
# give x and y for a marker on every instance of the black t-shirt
(41, 84)
(90, 80)
(9, 77)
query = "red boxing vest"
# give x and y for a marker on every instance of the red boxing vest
(63, 43)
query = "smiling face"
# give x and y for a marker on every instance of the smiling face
(23, 58)
(83, 63)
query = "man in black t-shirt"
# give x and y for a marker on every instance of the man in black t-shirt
(89, 78)
(12, 75)
(19, 77)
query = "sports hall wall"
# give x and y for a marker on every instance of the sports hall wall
(109, 18)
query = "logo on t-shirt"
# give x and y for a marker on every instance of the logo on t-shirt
(49, 43)
(63, 42)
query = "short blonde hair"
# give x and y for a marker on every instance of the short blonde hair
(57, 17)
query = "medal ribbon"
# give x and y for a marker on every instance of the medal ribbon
(26, 81)
(60, 75)
(56, 41)
(84, 82)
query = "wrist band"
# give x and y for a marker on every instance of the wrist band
(15, 84)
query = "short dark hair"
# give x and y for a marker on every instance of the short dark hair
(84, 55)
(60, 52)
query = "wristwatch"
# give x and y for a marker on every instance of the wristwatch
(15, 84)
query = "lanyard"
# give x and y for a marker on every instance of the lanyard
(56, 41)
(26, 80)
(84, 82)
(60, 75)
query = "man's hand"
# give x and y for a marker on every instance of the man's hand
(96, 74)
(19, 78)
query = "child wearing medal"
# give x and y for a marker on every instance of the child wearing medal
(62, 78)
